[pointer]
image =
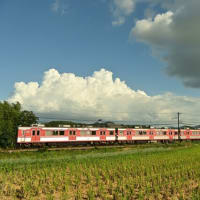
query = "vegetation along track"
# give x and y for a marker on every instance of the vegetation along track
(81, 147)
(65, 148)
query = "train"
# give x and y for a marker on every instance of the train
(90, 135)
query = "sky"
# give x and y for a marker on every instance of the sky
(112, 59)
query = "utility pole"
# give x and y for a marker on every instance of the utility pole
(179, 131)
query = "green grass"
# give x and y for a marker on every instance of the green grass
(131, 172)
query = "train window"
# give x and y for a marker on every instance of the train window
(82, 133)
(93, 132)
(55, 132)
(48, 133)
(161, 133)
(194, 133)
(136, 132)
(151, 133)
(33, 132)
(176, 133)
(121, 132)
(61, 132)
(182, 133)
(164, 133)
(111, 132)
(128, 132)
(38, 132)
(102, 133)
(142, 132)
(72, 132)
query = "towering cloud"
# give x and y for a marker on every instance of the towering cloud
(175, 34)
(98, 96)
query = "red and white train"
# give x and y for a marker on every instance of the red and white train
(49, 135)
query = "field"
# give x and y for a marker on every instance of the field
(151, 171)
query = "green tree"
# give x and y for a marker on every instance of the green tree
(11, 116)
(57, 123)
(27, 118)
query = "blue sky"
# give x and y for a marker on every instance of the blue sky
(57, 58)
(34, 38)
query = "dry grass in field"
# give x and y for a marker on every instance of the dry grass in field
(154, 172)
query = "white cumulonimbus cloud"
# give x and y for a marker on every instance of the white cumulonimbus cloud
(175, 33)
(98, 97)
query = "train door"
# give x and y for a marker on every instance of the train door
(171, 135)
(187, 133)
(72, 135)
(35, 136)
(151, 134)
(102, 135)
(116, 134)
(129, 134)
(23, 136)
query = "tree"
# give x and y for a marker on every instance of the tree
(27, 118)
(57, 123)
(11, 116)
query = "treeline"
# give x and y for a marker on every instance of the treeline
(12, 116)
(62, 123)
(106, 124)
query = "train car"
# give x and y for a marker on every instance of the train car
(194, 135)
(35, 135)
(49, 135)
(133, 135)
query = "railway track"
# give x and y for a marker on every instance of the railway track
(62, 148)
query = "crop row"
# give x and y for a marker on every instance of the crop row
(156, 173)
